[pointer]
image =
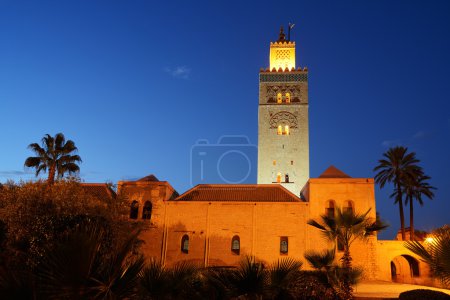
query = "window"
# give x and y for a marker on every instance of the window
(286, 178)
(288, 98)
(283, 130)
(274, 162)
(236, 245)
(134, 209)
(147, 211)
(292, 162)
(329, 211)
(349, 207)
(185, 244)
(284, 245)
(279, 98)
(279, 177)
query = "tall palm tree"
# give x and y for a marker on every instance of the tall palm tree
(397, 165)
(54, 155)
(415, 188)
(345, 227)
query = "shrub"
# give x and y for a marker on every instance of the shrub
(423, 294)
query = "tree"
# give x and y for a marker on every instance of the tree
(415, 188)
(344, 228)
(54, 155)
(395, 167)
(435, 252)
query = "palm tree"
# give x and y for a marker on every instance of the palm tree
(435, 252)
(177, 282)
(54, 155)
(397, 165)
(415, 188)
(284, 275)
(78, 268)
(344, 228)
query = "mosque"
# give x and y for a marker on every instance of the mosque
(218, 224)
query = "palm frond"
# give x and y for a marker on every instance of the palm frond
(320, 260)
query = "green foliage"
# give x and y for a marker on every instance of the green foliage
(284, 276)
(37, 214)
(178, 282)
(423, 294)
(54, 155)
(78, 266)
(345, 227)
(436, 253)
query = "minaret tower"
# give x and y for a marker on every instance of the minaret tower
(283, 144)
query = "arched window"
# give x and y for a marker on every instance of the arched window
(236, 245)
(280, 130)
(349, 207)
(284, 245)
(279, 98)
(147, 211)
(286, 178)
(286, 130)
(185, 244)
(288, 98)
(134, 209)
(329, 211)
(279, 177)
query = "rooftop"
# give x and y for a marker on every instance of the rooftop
(239, 193)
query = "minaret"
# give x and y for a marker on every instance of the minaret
(283, 144)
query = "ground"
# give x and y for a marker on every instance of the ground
(387, 290)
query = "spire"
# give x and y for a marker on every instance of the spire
(282, 36)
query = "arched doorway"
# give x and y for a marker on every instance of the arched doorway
(404, 269)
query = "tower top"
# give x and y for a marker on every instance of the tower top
(282, 53)
(282, 36)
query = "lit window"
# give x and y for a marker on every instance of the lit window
(288, 98)
(147, 211)
(236, 245)
(134, 209)
(283, 130)
(274, 162)
(185, 244)
(330, 209)
(279, 177)
(279, 98)
(284, 245)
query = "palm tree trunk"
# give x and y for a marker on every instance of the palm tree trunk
(51, 175)
(347, 264)
(400, 206)
(411, 220)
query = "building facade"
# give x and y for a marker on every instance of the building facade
(217, 225)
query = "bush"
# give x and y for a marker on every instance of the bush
(423, 294)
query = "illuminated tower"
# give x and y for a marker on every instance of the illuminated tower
(283, 144)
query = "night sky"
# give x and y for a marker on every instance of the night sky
(136, 83)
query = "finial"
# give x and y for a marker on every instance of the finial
(290, 26)
(281, 38)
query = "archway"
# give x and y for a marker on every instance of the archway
(404, 269)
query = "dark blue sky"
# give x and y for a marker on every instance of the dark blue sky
(136, 83)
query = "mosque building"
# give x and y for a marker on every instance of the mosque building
(218, 224)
